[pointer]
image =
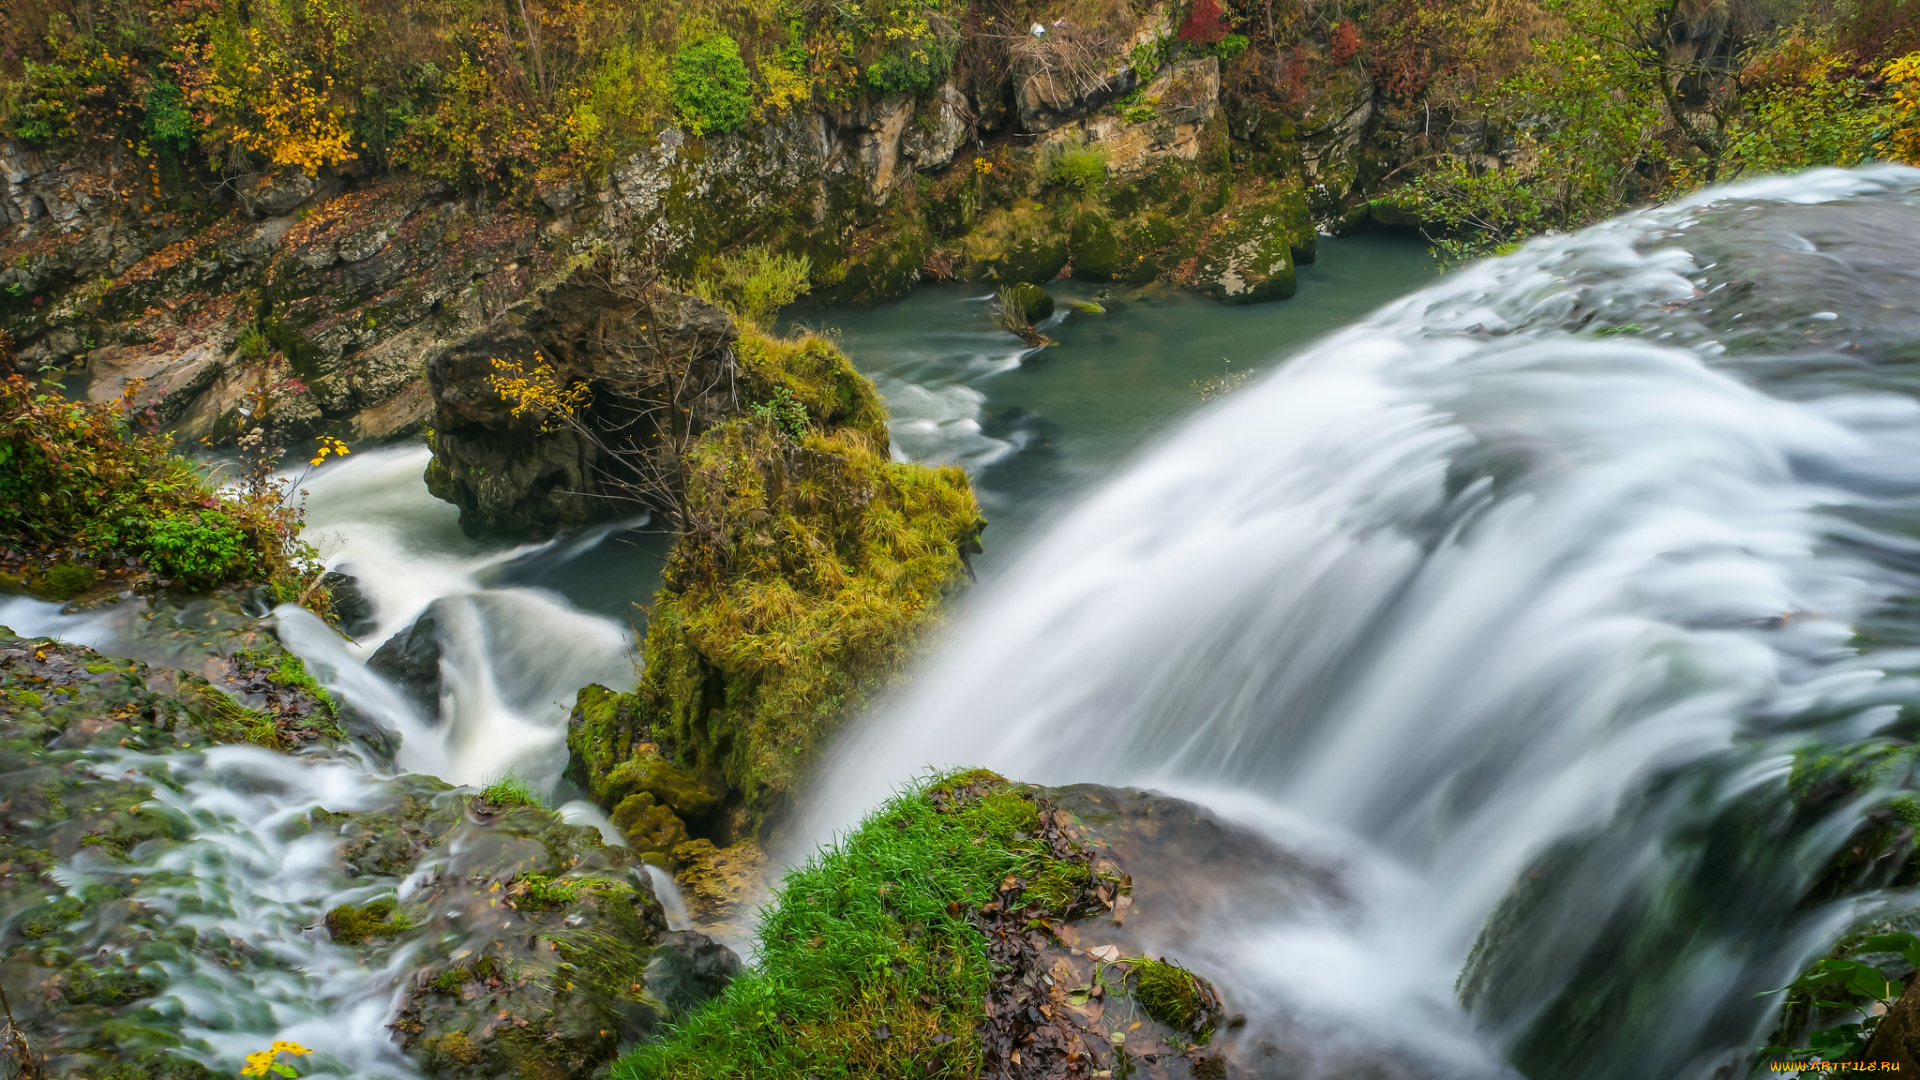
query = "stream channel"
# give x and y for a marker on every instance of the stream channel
(1541, 573)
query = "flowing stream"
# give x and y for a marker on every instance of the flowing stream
(1541, 574)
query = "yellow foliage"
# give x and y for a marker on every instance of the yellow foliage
(537, 391)
(782, 86)
(1903, 80)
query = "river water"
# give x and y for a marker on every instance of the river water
(1541, 573)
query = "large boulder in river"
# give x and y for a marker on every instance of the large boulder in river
(1250, 256)
(647, 369)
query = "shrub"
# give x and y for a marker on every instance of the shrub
(919, 57)
(712, 91)
(1206, 24)
(1231, 46)
(1077, 166)
(1345, 43)
(200, 549)
(83, 476)
(755, 283)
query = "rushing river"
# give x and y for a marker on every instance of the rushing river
(1539, 574)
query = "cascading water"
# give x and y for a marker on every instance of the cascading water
(1540, 575)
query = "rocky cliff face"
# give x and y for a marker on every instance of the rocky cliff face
(328, 294)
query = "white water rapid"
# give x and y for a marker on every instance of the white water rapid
(1540, 574)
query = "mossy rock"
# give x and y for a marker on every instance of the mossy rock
(817, 375)
(349, 925)
(1176, 997)
(1027, 243)
(1097, 253)
(65, 580)
(1248, 258)
(1033, 302)
(886, 267)
(977, 888)
(813, 565)
(684, 794)
(649, 827)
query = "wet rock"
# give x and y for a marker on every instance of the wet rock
(518, 475)
(722, 886)
(350, 605)
(83, 962)
(1033, 302)
(688, 968)
(1249, 257)
(410, 659)
(548, 950)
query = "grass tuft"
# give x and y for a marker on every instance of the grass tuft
(509, 791)
(870, 961)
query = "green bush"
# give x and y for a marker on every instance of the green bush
(1076, 166)
(1231, 46)
(712, 92)
(200, 550)
(916, 64)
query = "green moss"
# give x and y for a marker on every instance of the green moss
(283, 668)
(814, 373)
(64, 581)
(349, 925)
(875, 932)
(1032, 301)
(543, 892)
(1097, 255)
(810, 571)
(1167, 992)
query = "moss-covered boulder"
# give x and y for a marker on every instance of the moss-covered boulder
(1249, 255)
(1013, 945)
(544, 949)
(1031, 301)
(812, 565)
(1028, 242)
(1097, 252)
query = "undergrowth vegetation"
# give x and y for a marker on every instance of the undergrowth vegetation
(1582, 107)
(97, 483)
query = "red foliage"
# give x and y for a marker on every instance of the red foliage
(1206, 24)
(1346, 43)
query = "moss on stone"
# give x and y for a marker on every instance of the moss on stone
(811, 570)
(349, 925)
(1097, 254)
(814, 373)
(65, 580)
(1167, 992)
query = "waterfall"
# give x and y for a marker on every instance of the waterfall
(1540, 575)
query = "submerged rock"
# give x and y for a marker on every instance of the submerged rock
(410, 659)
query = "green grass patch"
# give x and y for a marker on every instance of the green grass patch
(870, 963)
(509, 791)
